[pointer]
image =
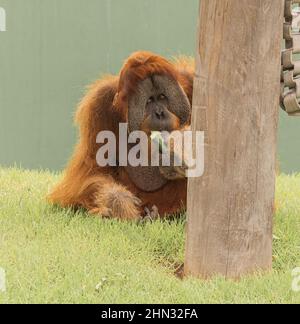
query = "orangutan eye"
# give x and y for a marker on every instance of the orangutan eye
(150, 100)
(162, 97)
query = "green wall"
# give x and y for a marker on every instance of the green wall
(53, 48)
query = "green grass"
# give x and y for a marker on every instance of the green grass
(55, 256)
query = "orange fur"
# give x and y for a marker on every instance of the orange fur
(109, 191)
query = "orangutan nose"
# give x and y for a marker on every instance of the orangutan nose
(159, 113)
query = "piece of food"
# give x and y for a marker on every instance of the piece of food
(156, 137)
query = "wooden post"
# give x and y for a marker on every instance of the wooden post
(236, 91)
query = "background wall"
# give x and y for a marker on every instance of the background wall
(53, 48)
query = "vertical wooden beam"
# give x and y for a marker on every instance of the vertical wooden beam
(230, 208)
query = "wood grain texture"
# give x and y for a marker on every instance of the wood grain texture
(230, 208)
